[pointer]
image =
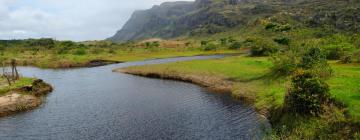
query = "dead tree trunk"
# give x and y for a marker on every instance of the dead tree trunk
(14, 72)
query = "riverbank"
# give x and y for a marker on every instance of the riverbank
(22, 96)
(248, 78)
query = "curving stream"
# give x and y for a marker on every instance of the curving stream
(95, 103)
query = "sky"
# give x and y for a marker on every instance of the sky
(76, 20)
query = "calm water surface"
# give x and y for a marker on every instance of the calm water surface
(95, 103)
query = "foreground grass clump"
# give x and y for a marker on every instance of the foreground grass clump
(253, 80)
(4, 87)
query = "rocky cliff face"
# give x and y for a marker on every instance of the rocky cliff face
(173, 19)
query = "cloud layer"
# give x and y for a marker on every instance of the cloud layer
(66, 19)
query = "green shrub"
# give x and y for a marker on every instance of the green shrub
(282, 40)
(203, 43)
(337, 51)
(314, 56)
(284, 63)
(315, 60)
(209, 47)
(96, 50)
(261, 47)
(235, 45)
(223, 41)
(334, 53)
(80, 51)
(307, 95)
(277, 27)
(67, 44)
(356, 56)
(346, 59)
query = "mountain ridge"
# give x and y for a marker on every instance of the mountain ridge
(174, 19)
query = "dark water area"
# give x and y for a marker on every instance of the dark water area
(98, 104)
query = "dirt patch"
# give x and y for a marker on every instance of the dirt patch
(24, 99)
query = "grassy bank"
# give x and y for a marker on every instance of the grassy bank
(23, 95)
(48, 53)
(252, 81)
(5, 88)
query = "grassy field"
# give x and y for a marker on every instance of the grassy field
(251, 75)
(64, 55)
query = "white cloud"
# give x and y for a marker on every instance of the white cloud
(66, 19)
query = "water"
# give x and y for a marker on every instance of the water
(95, 103)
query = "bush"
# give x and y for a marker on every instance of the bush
(203, 43)
(235, 46)
(277, 27)
(334, 53)
(223, 41)
(307, 95)
(260, 47)
(80, 51)
(337, 51)
(356, 56)
(284, 63)
(209, 47)
(346, 59)
(315, 60)
(282, 40)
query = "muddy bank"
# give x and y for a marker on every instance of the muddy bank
(210, 82)
(24, 98)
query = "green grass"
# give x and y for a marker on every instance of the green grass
(345, 86)
(252, 74)
(4, 87)
(49, 59)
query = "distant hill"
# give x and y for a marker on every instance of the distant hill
(174, 19)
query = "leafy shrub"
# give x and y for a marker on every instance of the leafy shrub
(282, 40)
(223, 41)
(152, 44)
(312, 57)
(338, 50)
(284, 63)
(96, 50)
(203, 43)
(277, 27)
(67, 44)
(209, 47)
(356, 56)
(235, 45)
(307, 95)
(315, 60)
(346, 59)
(112, 51)
(270, 26)
(43, 42)
(261, 47)
(80, 51)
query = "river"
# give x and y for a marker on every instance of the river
(96, 103)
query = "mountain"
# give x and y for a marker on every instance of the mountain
(174, 19)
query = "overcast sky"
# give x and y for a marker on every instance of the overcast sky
(76, 20)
